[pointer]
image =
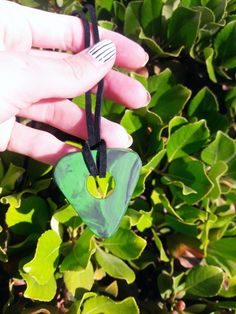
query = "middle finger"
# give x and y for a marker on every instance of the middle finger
(69, 118)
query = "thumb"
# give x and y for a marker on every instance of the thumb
(33, 78)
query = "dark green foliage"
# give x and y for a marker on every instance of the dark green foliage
(175, 248)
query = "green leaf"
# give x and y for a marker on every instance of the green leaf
(76, 306)
(132, 19)
(145, 127)
(27, 244)
(151, 17)
(191, 214)
(105, 4)
(135, 217)
(181, 227)
(43, 265)
(204, 281)
(67, 216)
(223, 148)
(205, 106)
(186, 190)
(125, 244)
(105, 305)
(187, 140)
(209, 58)
(175, 123)
(183, 28)
(81, 252)
(59, 3)
(230, 290)
(218, 7)
(171, 102)
(119, 11)
(146, 171)
(40, 185)
(193, 175)
(78, 280)
(216, 172)
(156, 48)
(112, 289)
(114, 266)
(35, 291)
(9, 179)
(159, 84)
(31, 216)
(34, 3)
(107, 24)
(222, 253)
(225, 46)
(162, 198)
(230, 175)
(158, 243)
(165, 285)
(145, 220)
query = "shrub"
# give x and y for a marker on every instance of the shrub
(175, 249)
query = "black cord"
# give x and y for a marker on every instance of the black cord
(94, 141)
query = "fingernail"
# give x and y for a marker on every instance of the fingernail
(103, 51)
(146, 59)
(130, 140)
(148, 98)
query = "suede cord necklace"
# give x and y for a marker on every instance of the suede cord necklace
(74, 171)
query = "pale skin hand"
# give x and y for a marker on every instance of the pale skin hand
(35, 84)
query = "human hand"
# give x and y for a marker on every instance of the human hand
(36, 84)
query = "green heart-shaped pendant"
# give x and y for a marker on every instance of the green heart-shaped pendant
(102, 215)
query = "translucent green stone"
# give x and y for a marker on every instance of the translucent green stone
(102, 215)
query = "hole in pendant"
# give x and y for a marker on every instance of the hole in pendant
(101, 187)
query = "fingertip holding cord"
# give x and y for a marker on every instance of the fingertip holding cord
(5, 130)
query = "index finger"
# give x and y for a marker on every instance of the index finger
(51, 30)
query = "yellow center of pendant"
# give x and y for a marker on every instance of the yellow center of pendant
(101, 187)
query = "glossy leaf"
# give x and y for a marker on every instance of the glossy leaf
(171, 102)
(106, 305)
(44, 263)
(192, 174)
(81, 279)
(150, 17)
(145, 127)
(146, 171)
(205, 106)
(9, 179)
(125, 244)
(204, 281)
(81, 253)
(158, 243)
(223, 148)
(215, 174)
(67, 216)
(31, 216)
(114, 266)
(187, 140)
(132, 14)
(222, 253)
(35, 291)
(225, 46)
(183, 27)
